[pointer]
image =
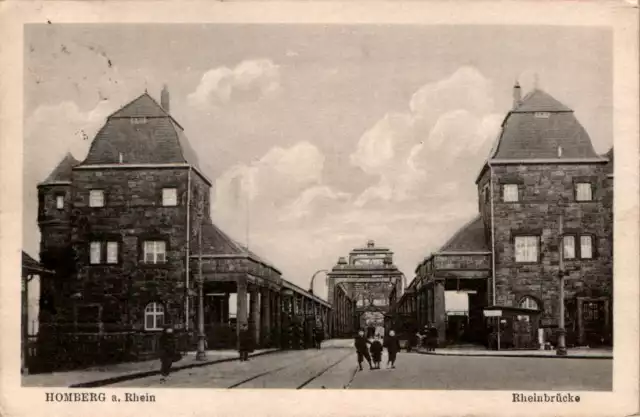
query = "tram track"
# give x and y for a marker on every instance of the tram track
(291, 365)
(272, 371)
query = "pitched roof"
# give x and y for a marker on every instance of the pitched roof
(540, 101)
(31, 266)
(217, 242)
(143, 106)
(609, 167)
(62, 172)
(527, 135)
(158, 139)
(469, 238)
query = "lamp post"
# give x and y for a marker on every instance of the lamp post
(313, 277)
(561, 349)
(201, 353)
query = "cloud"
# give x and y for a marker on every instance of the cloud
(449, 123)
(250, 79)
(267, 185)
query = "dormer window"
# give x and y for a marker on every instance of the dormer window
(542, 114)
(138, 120)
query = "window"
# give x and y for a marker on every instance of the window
(529, 303)
(510, 192)
(95, 250)
(96, 198)
(153, 316)
(526, 248)
(485, 191)
(586, 247)
(569, 247)
(138, 120)
(542, 115)
(112, 252)
(59, 201)
(169, 197)
(583, 191)
(155, 251)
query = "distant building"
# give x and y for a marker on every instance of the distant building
(370, 278)
(542, 192)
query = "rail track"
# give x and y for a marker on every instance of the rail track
(290, 365)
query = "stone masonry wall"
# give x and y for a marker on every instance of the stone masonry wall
(133, 212)
(546, 193)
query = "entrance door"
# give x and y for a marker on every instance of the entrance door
(594, 322)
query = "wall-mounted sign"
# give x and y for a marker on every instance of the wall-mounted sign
(492, 313)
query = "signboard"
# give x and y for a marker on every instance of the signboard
(492, 313)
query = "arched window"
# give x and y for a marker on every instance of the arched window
(529, 303)
(154, 316)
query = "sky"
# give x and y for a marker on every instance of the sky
(317, 137)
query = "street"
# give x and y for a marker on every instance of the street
(334, 367)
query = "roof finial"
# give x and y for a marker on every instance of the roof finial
(536, 81)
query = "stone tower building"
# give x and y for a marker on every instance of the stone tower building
(117, 228)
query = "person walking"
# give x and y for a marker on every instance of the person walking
(362, 350)
(376, 352)
(318, 335)
(246, 342)
(393, 347)
(168, 352)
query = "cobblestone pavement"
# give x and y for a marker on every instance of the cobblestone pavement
(416, 371)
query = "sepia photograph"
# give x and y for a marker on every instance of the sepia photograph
(320, 206)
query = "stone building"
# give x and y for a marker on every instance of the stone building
(371, 280)
(543, 194)
(129, 235)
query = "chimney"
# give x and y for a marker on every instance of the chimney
(517, 94)
(164, 98)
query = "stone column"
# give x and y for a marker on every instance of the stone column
(225, 309)
(254, 312)
(439, 310)
(265, 316)
(241, 307)
(278, 312)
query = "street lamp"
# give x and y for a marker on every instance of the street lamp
(561, 349)
(314, 277)
(201, 354)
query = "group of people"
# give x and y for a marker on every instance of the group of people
(371, 349)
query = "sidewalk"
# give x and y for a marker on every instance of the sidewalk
(109, 374)
(575, 353)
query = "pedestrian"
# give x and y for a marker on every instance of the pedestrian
(376, 352)
(168, 352)
(424, 337)
(362, 350)
(246, 342)
(433, 338)
(393, 347)
(318, 336)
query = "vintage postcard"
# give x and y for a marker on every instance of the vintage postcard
(363, 208)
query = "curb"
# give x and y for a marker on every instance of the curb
(144, 374)
(477, 355)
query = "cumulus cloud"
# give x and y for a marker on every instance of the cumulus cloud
(250, 79)
(288, 177)
(449, 122)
